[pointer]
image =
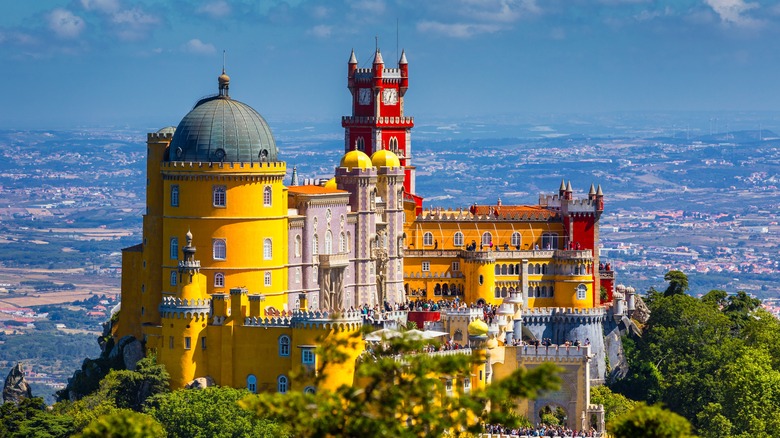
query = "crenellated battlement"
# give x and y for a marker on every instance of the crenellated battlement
(581, 205)
(552, 353)
(349, 320)
(546, 315)
(157, 136)
(221, 166)
(348, 121)
(173, 307)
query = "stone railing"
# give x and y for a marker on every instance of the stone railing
(553, 353)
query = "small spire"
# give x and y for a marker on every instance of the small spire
(592, 190)
(352, 57)
(378, 58)
(563, 186)
(224, 84)
(568, 187)
(294, 179)
(599, 192)
(403, 58)
(189, 238)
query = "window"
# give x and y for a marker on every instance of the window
(315, 245)
(267, 249)
(372, 201)
(219, 279)
(466, 384)
(267, 278)
(170, 342)
(174, 253)
(219, 196)
(498, 270)
(360, 144)
(307, 356)
(174, 195)
(481, 279)
(281, 384)
(187, 342)
(516, 240)
(251, 383)
(174, 277)
(394, 145)
(203, 343)
(309, 390)
(549, 241)
(457, 240)
(497, 293)
(428, 239)
(342, 243)
(297, 245)
(218, 249)
(284, 345)
(487, 238)
(328, 242)
(426, 266)
(582, 291)
(448, 386)
(267, 196)
(455, 266)
(297, 275)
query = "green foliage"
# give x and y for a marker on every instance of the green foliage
(614, 404)
(130, 389)
(209, 412)
(401, 394)
(649, 422)
(123, 423)
(716, 298)
(603, 295)
(31, 419)
(678, 283)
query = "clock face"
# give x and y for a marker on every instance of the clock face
(390, 96)
(364, 96)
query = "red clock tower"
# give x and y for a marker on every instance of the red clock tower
(377, 121)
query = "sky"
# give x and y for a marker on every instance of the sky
(93, 63)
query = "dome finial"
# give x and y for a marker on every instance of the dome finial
(224, 79)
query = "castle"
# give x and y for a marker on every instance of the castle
(238, 275)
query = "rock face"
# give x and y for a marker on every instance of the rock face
(201, 382)
(16, 388)
(642, 312)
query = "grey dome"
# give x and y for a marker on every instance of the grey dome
(220, 129)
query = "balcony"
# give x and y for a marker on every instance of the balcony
(406, 122)
(334, 260)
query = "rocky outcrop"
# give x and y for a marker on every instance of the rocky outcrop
(201, 382)
(16, 388)
(642, 312)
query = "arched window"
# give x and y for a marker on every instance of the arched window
(511, 269)
(268, 249)
(497, 294)
(457, 239)
(582, 291)
(328, 242)
(219, 196)
(284, 345)
(516, 240)
(281, 384)
(315, 245)
(360, 144)
(342, 243)
(219, 279)
(174, 195)
(309, 390)
(544, 268)
(504, 270)
(267, 278)
(174, 278)
(297, 275)
(267, 196)
(544, 291)
(174, 248)
(487, 238)
(428, 239)
(498, 270)
(297, 245)
(394, 145)
(251, 383)
(219, 249)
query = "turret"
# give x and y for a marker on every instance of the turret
(351, 68)
(379, 66)
(294, 178)
(599, 199)
(562, 190)
(568, 194)
(403, 65)
(591, 193)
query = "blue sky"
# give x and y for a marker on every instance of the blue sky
(74, 63)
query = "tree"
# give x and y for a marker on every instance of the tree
(678, 283)
(614, 404)
(715, 298)
(123, 423)
(400, 393)
(30, 418)
(209, 412)
(649, 422)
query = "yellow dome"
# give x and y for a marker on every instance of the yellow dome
(354, 159)
(331, 184)
(385, 158)
(492, 343)
(478, 327)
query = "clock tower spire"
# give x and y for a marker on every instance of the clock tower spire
(378, 121)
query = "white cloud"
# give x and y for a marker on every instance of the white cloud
(321, 31)
(199, 47)
(133, 24)
(215, 9)
(500, 11)
(370, 6)
(105, 6)
(456, 30)
(732, 11)
(65, 24)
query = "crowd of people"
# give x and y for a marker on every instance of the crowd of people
(541, 431)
